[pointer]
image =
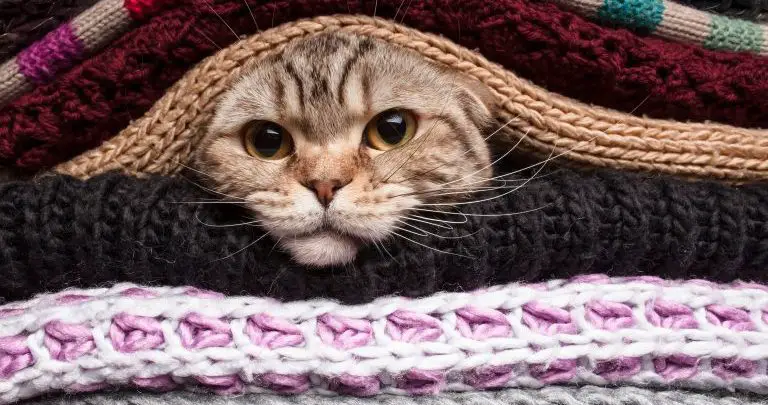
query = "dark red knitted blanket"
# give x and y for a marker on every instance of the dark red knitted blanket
(554, 48)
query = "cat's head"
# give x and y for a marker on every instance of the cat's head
(334, 142)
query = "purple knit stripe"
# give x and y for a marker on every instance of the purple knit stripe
(57, 51)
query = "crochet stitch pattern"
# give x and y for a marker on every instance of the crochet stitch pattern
(70, 42)
(58, 232)
(591, 330)
(163, 140)
(558, 50)
(677, 22)
(553, 395)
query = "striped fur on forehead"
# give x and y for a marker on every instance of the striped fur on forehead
(319, 85)
(318, 71)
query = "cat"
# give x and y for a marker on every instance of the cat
(333, 142)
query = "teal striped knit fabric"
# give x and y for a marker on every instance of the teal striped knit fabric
(677, 22)
(633, 13)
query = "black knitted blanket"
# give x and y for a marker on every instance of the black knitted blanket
(58, 232)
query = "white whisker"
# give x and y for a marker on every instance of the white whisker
(237, 37)
(398, 10)
(206, 202)
(246, 247)
(195, 170)
(469, 150)
(253, 17)
(430, 247)
(376, 245)
(492, 163)
(498, 196)
(210, 190)
(427, 222)
(390, 254)
(225, 225)
(275, 245)
(436, 235)
(406, 11)
(409, 231)
(440, 220)
(505, 214)
(199, 31)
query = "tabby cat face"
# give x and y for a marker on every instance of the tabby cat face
(336, 140)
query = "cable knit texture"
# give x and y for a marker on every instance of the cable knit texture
(23, 22)
(589, 395)
(555, 49)
(165, 138)
(58, 232)
(588, 330)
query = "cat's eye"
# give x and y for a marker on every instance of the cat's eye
(390, 129)
(267, 140)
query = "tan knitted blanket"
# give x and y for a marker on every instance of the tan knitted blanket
(165, 137)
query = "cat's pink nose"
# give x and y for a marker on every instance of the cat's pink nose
(325, 190)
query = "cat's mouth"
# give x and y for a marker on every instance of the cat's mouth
(330, 244)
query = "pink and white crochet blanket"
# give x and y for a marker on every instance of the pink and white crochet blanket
(591, 330)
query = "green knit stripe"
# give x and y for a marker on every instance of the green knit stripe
(734, 35)
(633, 13)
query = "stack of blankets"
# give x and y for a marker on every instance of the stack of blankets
(635, 271)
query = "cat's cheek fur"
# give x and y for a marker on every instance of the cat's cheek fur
(321, 249)
(301, 216)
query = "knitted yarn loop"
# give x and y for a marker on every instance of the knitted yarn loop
(60, 232)
(555, 49)
(163, 140)
(554, 395)
(67, 340)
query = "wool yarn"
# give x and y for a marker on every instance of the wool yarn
(60, 49)
(25, 21)
(553, 395)
(166, 137)
(750, 10)
(59, 232)
(588, 330)
(556, 49)
(677, 22)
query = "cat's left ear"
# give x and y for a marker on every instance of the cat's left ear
(480, 96)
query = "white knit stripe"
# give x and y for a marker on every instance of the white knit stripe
(12, 82)
(764, 46)
(684, 24)
(102, 23)
(453, 353)
(587, 8)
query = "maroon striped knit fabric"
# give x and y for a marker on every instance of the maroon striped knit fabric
(553, 48)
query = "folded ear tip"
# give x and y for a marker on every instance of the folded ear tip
(481, 91)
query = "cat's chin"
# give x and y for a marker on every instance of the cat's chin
(322, 249)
